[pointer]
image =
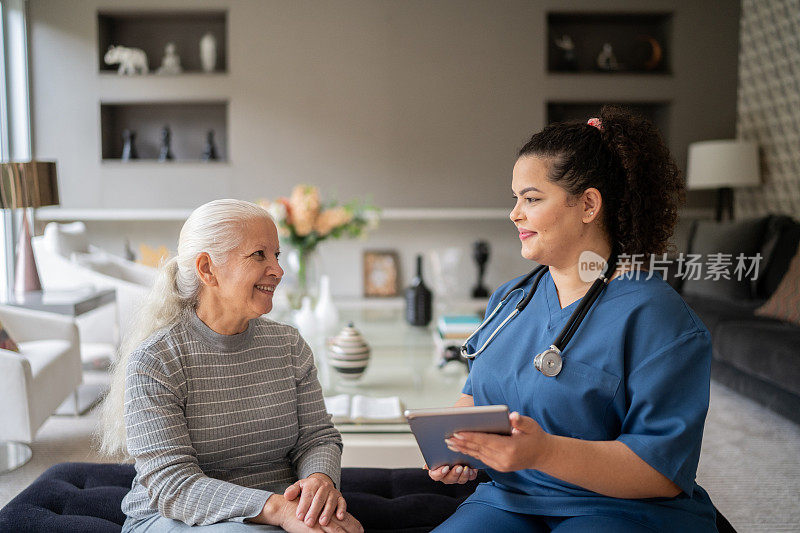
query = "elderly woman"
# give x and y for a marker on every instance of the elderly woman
(608, 379)
(222, 408)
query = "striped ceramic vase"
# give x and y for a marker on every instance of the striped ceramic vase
(348, 353)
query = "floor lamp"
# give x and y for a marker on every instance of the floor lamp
(27, 184)
(723, 165)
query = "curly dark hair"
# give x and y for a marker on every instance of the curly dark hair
(627, 161)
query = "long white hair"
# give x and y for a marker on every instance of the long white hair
(215, 228)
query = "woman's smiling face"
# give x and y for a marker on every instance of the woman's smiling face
(247, 280)
(550, 226)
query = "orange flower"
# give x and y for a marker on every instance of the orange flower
(330, 219)
(304, 208)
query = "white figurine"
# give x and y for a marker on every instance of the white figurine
(208, 52)
(606, 60)
(171, 64)
(131, 60)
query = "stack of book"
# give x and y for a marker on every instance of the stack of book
(457, 327)
(453, 330)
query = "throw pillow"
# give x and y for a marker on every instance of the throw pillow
(784, 304)
(6, 342)
(730, 238)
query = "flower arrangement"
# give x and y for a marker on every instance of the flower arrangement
(304, 221)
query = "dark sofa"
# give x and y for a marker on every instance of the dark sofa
(756, 356)
(86, 497)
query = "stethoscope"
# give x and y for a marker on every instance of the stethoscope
(550, 361)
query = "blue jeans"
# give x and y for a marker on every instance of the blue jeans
(476, 517)
(159, 524)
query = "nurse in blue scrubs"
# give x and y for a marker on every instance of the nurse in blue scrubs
(610, 443)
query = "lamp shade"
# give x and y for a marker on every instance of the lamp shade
(723, 163)
(28, 184)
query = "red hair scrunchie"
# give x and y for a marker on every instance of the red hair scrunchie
(596, 123)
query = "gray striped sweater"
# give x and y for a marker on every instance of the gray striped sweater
(217, 423)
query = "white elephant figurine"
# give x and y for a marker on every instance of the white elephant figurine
(131, 60)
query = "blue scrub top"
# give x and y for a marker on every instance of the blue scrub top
(637, 370)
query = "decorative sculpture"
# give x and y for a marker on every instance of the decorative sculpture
(567, 59)
(606, 60)
(131, 60)
(210, 151)
(480, 253)
(171, 64)
(129, 145)
(165, 153)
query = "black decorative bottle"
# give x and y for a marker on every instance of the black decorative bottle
(419, 300)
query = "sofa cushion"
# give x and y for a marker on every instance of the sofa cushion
(713, 311)
(784, 304)
(780, 245)
(86, 497)
(766, 350)
(734, 238)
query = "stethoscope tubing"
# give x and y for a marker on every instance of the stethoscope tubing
(575, 319)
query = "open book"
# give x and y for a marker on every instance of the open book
(364, 409)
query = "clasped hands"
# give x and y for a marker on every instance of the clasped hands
(521, 450)
(312, 504)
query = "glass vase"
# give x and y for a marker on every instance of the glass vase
(302, 267)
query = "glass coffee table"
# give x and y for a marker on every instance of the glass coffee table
(403, 364)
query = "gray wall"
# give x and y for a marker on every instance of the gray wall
(413, 103)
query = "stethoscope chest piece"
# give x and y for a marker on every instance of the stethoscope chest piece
(548, 362)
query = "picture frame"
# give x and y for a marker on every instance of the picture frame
(381, 273)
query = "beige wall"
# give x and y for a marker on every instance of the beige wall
(414, 103)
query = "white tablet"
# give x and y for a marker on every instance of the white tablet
(432, 426)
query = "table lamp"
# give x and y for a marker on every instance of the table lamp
(723, 165)
(22, 185)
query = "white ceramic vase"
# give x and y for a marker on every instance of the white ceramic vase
(208, 52)
(326, 312)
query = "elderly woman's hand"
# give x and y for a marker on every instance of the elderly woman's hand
(318, 499)
(523, 449)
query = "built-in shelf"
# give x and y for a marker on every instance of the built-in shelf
(58, 214)
(189, 124)
(640, 42)
(151, 30)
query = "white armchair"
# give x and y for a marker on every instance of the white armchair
(66, 261)
(36, 381)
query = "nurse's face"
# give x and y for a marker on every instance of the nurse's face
(549, 220)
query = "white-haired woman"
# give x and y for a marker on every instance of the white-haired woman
(221, 408)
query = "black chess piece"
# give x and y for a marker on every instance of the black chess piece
(129, 253)
(480, 253)
(129, 145)
(165, 154)
(210, 152)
